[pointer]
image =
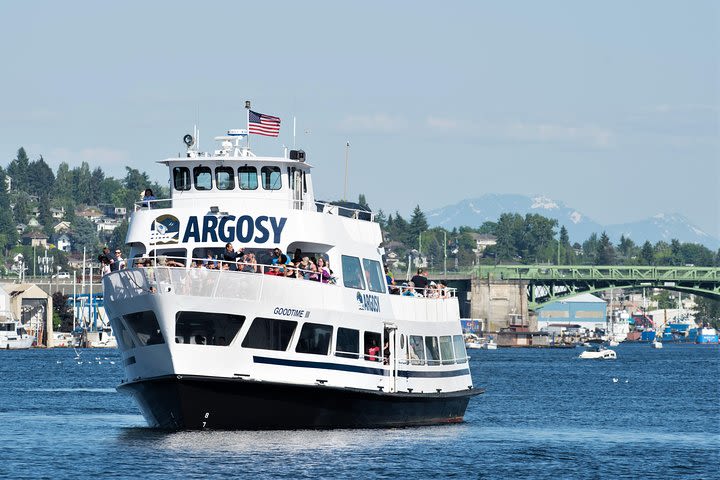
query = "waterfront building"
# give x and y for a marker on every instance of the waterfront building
(584, 311)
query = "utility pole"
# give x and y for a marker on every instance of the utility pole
(444, 253)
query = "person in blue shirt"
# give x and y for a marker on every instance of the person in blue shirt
(148, 198)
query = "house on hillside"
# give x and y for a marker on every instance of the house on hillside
(90, 213)
(57, 213)
(482, 241)
(106, 225)
(35, 239)
(63, 226)
(62, 241)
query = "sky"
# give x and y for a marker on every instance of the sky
(609, 107)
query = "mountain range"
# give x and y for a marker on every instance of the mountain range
(474, 212)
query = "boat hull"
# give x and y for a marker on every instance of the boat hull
(192, 402)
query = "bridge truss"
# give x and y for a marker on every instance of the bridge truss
(549, 283)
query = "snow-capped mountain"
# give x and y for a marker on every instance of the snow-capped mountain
(474, 212)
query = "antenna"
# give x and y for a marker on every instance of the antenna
(347, 154)
(293, 131)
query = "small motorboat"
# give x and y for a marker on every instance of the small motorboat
(656, 344)
(599, 353)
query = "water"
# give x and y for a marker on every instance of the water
(546, 414)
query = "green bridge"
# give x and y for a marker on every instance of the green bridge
(550, 283)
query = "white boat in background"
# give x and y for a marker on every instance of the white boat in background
(613, 343)
(13, 335)
(473, 342)
(599, 353)
(707, 335)
(489, 344)
(656, 344)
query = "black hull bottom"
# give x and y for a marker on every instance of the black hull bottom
(181, 402)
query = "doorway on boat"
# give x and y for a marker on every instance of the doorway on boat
(389, 353)
(298, 186)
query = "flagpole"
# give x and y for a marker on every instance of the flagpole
(247, 123)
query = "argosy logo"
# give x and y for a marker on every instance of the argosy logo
(230, 228)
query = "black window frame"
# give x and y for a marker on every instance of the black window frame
(374, 275)
(266, 177)
(247, 170)
(280, 343)
(184, 175)
(221, 333)
(309, 342)
(199, 170)
(349, 276)
(347, 343)
(231, 176)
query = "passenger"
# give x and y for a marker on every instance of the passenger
(148, 198)
(409, 289)
(109, 256)
(119, 261)
(230, 256)
(386, 353)
(432, 291)
(324, 271)
(297, 256)
(314, 276)
(247, 263)
(392, 287)
(275, 256)
(104, 265)
(420, 280)
(373, 352)
(209, 261)
(442, 290)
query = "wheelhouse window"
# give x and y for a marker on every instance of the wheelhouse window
(416, 350)
(347, 344)
(374, 275)
(352, 273)
(247, 177)
(201, 328)
(446, 350)
(271, 178)
(314, 338)
(145, 326)
(225, 178)
(460, 352)
(181, 178)
(432, 352)
(269, 334)
(202, 178)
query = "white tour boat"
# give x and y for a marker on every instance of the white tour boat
(12, 333)
(263, 343)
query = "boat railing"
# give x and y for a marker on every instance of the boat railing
(309, 205)
(205, 277)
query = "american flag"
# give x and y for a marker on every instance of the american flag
(262, 124)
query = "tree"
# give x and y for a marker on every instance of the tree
(64, 183)
(708, 311)
(647, 255)
(18, 171)
(590, 248)
(84, 235)
(8, 233)
(362, 202)
(418, 222)
(40, 178)
(567, 255)
(605, 251)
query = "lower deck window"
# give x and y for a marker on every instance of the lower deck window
(432, 351)
(201, 328)
(269, 334)
(416, 350)
(145, 327)
(314, 338)
(446, 350)
(372, 346)
(347, 344)
(460, 352)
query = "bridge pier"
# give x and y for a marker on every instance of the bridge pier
(494, 300)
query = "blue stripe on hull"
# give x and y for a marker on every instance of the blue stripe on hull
(359, 369)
